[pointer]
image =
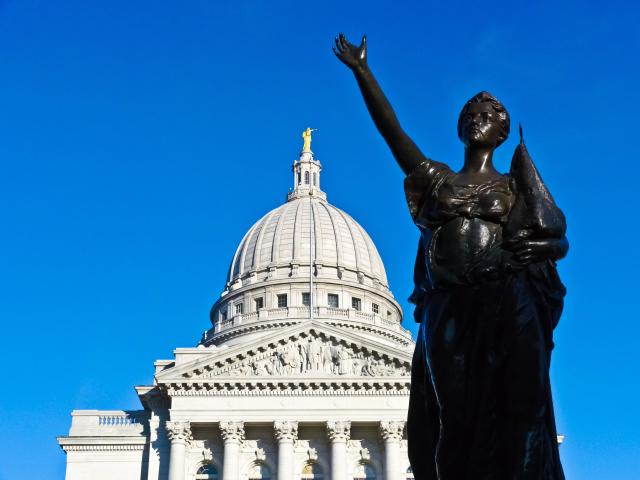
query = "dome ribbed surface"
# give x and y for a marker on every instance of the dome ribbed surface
(282, 237)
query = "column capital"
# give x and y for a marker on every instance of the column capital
(392, 430)
(232, 431)
(178, 431)
(339, 431)
(286, 430)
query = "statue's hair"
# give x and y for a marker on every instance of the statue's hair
(486, 97)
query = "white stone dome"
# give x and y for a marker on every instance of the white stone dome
(305, 260)
(281, 239)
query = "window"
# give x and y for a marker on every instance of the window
(223, 315)
(239, 308)
(315, 179)
(388, 315)
(259, 471)
(332, 300)
(299, 177)
(207, 472)
(306, 178)
(311, 471)
(375, 308)
(259, 303)
(364, 471)
(356, 303)
(306, 299)
(282, 300)
(409, 474)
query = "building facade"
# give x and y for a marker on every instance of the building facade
(304, 374)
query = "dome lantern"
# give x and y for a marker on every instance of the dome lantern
(306, 172)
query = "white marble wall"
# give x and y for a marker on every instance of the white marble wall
(105, 465)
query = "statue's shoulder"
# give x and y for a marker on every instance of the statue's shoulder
(422, 184)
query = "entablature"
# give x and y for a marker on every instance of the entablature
(255, 387)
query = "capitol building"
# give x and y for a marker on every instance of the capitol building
(304, 374)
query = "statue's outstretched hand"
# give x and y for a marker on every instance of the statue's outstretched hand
(352, 56)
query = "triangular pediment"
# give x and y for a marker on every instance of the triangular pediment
(310, 350)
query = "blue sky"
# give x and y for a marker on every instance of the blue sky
(140, 140)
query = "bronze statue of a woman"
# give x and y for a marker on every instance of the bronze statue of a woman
(487, 297)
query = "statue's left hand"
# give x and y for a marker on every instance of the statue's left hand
(352, 56)
(530, 251)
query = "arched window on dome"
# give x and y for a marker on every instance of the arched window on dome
(208, 471)
(364, 471)
(299, 177)
(306, 178)
(315, 179)
(259, 471)
(312, 471)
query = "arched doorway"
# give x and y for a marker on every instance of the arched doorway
(259, 471)
(207, 471)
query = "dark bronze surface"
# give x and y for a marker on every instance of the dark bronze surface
(487, 297)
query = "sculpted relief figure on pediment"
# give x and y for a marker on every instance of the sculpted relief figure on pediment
(312, 355)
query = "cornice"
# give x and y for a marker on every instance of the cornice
(101, 448)
(402, 338)
(293, 387)
(102, 444)
(151, 397)
(273, 324)
(218, 338)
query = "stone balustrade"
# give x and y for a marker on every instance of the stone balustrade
(302, 312)
(118, 420)
(108, 422)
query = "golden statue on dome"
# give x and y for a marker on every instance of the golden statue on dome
(306, 137)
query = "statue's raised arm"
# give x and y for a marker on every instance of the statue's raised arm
(406, 153)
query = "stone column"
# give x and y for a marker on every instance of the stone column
(232, 434)
(286, 434)
(179, 433)
(391, 433)
(339, 435)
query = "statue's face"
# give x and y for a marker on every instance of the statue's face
(481, 126)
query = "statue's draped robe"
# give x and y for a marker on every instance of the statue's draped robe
(481, 403)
